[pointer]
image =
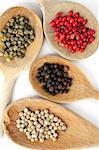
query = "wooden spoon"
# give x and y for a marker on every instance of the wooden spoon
(50, 8)
(12, 69)
(80, 133)
(80, 89)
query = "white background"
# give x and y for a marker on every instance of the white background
(88, 109)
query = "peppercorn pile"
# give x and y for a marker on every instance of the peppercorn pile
(70, 31)
(18, 35)
(54, 78)
(39, 125)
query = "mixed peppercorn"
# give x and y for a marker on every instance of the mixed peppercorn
(70, 31)
(17, 36)
(54, 78)
(39, 125)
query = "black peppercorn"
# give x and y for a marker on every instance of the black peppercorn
(55, 78)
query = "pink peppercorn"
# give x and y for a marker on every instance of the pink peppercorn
(70, 31)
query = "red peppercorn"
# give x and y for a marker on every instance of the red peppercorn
(73, 42)
(84, 22)
(70, 47)
(77, 37)
(74, 24)
(52, 23)
(56, 37)
(83, 46)
(69, 42)
(71, 20)
(76, 15)
(84, 30)
(82, 36)
(74, 29)
(70, 28)
(68, 18)
(76, 33)
(92, 31)
(61, 44)
(62, 36)
(84, 39)
(68, 36)
(66, 45)
(85, 43)
(73, 51)
(77, 49)
(57, 21)
(59, 14)
(80, 19)
(54, 28)
(66, 30)
(70, 13)
(67, 24)
(81, 50)
(64, 41)
(79, 42)
(85, 34)
(64, 18)
(70, 31)
(74, 47)
(91, 39)
(56, 33)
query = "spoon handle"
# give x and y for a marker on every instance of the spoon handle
(8, 82)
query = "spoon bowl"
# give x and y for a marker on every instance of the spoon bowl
(35, 22)
(80, 89)
(12, 69)
(50, 8)
(86, 135)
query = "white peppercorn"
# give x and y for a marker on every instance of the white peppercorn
(21, 114)
(55, 135)
(55, 119)
(18, 121)
(54, 139)
(18, 126)
(21, 129)
(63, 128)
(42, 140)
(32, 140)
(46, 111)
(39, 125)
(26, 109)
(37, 112)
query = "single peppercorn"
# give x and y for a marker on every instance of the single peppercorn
(55, 79)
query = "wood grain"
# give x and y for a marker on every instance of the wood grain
(12, 69)
(50, 8)
(79, 134)
(80, 89)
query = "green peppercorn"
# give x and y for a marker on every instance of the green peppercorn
(32, 37)
(18, 35)
(6, 54)
(8, 59)
(8, 44)
(15, 48)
